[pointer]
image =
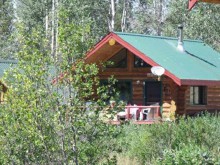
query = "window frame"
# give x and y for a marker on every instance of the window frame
(198, 95)
(112, 66)
(130, 99)
(145, 65)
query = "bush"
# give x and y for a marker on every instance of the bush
(188, 154)
(190, 140)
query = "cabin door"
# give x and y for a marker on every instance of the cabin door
(152, 93)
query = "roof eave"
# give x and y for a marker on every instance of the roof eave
(103, 41)
(191, 82)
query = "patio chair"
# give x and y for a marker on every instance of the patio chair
(145, 112)
(133, 112)
(121, 115)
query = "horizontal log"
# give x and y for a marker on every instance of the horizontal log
(213, 99)
(138, 96)
(138, 92)
(198, 107)
(213, 91)
(214, 104)
(213, 96)
(214, 88)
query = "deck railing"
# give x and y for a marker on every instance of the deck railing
(141, 113)
(134, 113)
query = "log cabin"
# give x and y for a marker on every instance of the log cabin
(190, 83)
(4, 65)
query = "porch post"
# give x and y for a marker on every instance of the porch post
(128, 113)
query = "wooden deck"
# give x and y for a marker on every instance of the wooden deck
(138, 115)
(135, 122)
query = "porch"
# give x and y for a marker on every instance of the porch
(138, 115)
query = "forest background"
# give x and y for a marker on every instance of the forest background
(154, 17)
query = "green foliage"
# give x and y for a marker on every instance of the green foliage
(33, 13)
(150, 16)
(52, 123)
(94, 13)
(6, 29)
(199, 23)
(26, 118)
(156, 17)
(189, 154)
(185, 142)
(45, 122)
(74, 35)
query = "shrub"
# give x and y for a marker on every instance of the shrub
(188, 154)
(196, 138)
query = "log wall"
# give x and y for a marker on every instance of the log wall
(176, 99)
(213, 101)
(136, 75)
(3, 90)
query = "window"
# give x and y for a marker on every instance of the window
(119, 60)
(198, 95)
(138, 62)
(125, 91)
(121, 90)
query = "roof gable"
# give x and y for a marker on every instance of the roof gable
(198, 65)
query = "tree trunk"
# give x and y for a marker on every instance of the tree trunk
(52, 28)
(46, 19)
(112, 22)
(56, 30)
(160, 15)
(46, 23)
(123, 18)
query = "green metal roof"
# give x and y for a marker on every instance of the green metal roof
(198, 62)
(5, 65)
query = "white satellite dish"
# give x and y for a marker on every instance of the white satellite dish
(157, 70)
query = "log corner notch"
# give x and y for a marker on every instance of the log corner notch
(191, 4)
